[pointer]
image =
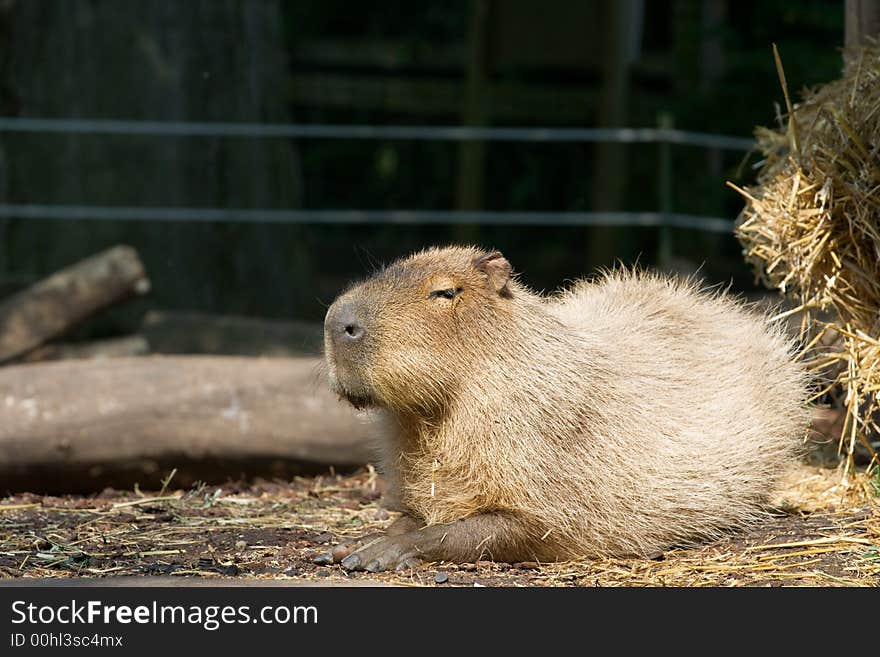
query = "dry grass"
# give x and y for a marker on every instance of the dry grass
(821, 533)
(811, 228)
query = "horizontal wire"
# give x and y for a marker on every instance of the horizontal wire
(403, 132)
(185, 214)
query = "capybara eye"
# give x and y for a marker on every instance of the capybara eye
(449, 293)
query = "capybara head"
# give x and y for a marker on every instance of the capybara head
(403, 338)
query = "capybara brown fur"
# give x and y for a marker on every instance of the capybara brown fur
(621, 416)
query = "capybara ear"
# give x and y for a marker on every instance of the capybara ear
(497, 269)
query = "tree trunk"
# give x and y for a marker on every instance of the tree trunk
(609, 178)
(202, 60)
(862, 20)
(472, 154)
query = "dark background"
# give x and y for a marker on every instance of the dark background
(705, 63)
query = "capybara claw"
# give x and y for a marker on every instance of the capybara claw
(408, 564)
(323, 559)
(352, 562)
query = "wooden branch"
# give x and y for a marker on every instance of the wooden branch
(129, 345)
(56, 304)
(198, 333)
(81, 425)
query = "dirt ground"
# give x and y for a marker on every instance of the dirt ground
(820, 532)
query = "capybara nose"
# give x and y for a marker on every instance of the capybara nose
(344, 325)
(353, 331)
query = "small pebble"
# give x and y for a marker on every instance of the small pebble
(240, 545)
(381, 514)
(441, 577)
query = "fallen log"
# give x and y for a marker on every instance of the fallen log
(198, 333)
(129, 345)
(79, 426)
(54, 305)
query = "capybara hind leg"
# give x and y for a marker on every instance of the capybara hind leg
(400, 526)
(487, 536)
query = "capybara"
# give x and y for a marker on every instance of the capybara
(621, 416)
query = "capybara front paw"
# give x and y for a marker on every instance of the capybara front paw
(387, 553)
(341, 551)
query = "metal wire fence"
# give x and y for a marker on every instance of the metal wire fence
(663, 136)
